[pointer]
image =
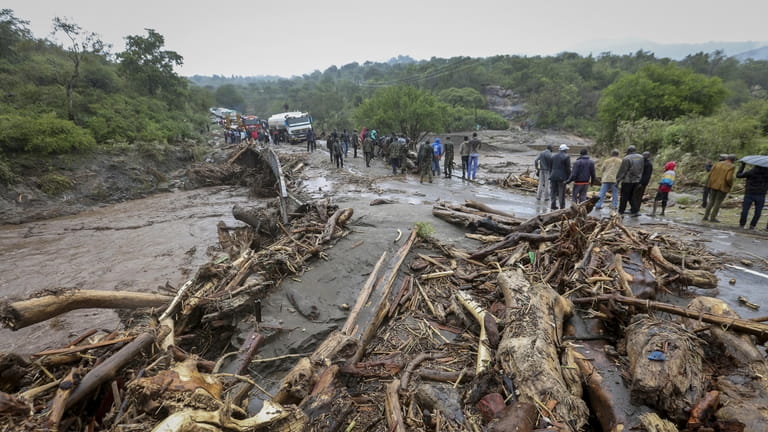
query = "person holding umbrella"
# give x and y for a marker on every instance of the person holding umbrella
(754, 189)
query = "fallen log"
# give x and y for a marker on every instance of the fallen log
(610, 416)
(472, 221)
(688, 277)
(665, 366)
(556, 216)
(487, 209)
(528, 351)
(740, 325)
(24, 313)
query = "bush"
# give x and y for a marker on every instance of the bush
(7, 176)
(55, 184)
(42, 134)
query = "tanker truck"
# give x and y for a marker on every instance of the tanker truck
(290, 126)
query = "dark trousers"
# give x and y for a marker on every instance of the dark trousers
(448, 168)
(637, 198)
(759, 202)
(627, 195)
(579, 192)
(368, 157)
(395, 162)
(339, 157)
(464, 166)
(558, 193)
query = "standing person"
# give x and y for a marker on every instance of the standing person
(543, 165)
(720, 182)
(608, 180)
(754, 192)
(464, 153)
(403, 144)
(437, 153)
(708, 168)
(474, 156)
(394, 155)
(338, 153)
(310, 140)
(424, 158)
(355, 142)
(448, 162)
(582, 175)
(368, 150)
(345, 142)
(645, 178)
(665, 186)
(561, 171)
(630, 171)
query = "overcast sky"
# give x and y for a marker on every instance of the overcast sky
(294, 37)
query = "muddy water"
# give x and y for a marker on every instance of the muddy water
(137, 245)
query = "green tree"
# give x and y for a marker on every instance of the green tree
(230, 97)
(12, 31)
(80, 44)
(148, 66)
(405, 109)
(463, 97)
(658, 92)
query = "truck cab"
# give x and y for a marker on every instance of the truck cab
(293, 125)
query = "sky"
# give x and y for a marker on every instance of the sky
(296, 37)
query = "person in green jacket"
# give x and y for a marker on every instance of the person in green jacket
(448, 156)
(368, 150)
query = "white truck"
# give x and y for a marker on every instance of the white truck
(290, 126)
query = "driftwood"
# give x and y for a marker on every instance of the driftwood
(473, 220)
(109, 368)
(697, 278)
(24, 313)
(528, 348)
(608, 413)
(703, 410)
(743, 388)
(487, 209)
(518, 417)
(339, 218)
(665, 364)
(512, 240)
(736, 324)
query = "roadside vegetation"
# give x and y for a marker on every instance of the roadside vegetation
(70, 93)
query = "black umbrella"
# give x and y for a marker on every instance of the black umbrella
(757, 160)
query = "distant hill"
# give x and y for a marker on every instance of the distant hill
(672, 51)
(755, 54)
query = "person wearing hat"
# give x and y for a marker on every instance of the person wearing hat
(665, 186)
(719, 183)
(561, 171)
(630, 171)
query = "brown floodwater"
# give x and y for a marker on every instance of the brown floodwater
(137, 245)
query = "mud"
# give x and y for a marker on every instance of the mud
(144, 244)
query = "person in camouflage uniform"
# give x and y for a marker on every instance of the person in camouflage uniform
(448, 154)
(368, 150)
(425, 161)
(394, 155)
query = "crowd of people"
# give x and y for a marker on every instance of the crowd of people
(627, 179)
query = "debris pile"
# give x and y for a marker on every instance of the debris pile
(551, 324)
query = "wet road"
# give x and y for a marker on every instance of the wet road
(143, 244)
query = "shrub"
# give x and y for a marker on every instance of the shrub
(55, 184)
(42, 134)
(7, 176)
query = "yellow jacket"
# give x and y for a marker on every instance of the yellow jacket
(721, 176)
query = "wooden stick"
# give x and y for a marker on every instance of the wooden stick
(392, 407)
(488, 209)
(736, 324)
(176, 299)
(27, 312)
(58, 405)
(80, 348)
(107, 370)
(484, 356)
(339, 217)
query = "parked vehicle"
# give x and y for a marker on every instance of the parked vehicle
(290, 126)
